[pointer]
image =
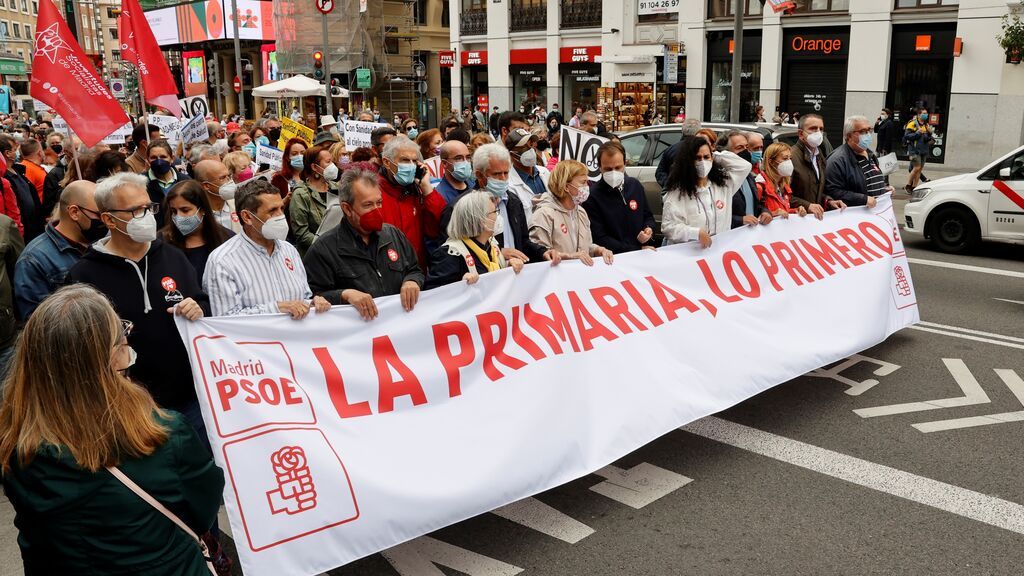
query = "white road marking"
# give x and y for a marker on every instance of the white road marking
(1010, 301)
(970, 331)
(966, 267)
(1012, 381)
(855, 388)
(538, 516)
(1008, 340)
(417, 558)
(973, 394)
(640, 485)
(939, 495)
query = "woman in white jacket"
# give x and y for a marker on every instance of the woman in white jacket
(700, 187)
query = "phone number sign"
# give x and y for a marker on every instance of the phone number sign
(645, 7)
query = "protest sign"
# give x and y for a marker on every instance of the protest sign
(357, 134)
(195, 130)
(270, 156)
(117, 136)
(292, 129)
(339, 438)
(581, 146)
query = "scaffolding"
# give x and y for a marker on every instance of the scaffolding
(380, 39)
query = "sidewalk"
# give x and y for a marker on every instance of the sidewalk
(899, 178)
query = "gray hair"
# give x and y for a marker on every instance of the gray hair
(220, 148)
(849, 124)
(400, 142)
(484, 154)
(213, 127)
(248, 195)
(691, 126)
(726, 139)
(589, 116)
(106, 187)
(469, 213)
(195, 155)
(348, 180)
(753, 134)
(804, 118)
(368, 112)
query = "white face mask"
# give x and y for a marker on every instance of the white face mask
(815, 138)
(529, 158)
(275, 228)
(614, 178)
(704, 168)
(785, 168)
(227, 191)
(331, 173)
(141, 230)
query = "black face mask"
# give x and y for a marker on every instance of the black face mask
(745, 154)
(274, 134)
(57, 148)
(543, 145)
(97, 229)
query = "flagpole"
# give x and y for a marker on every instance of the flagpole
(145, 116)
(74, 151)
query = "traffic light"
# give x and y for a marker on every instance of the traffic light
(318, 65)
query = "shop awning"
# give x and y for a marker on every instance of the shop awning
(12, 66)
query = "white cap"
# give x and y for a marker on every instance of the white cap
(327, 120)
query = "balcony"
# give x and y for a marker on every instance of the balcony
(473, 22)
(529, 15)
(581, 14)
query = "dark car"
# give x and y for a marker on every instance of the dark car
(645, 147)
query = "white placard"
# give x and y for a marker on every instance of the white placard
(888, 163)
(195, 130)
(194, 106)
(270, 156)
(339, 438)
(117, 136)
(581, 146)
(357, 134)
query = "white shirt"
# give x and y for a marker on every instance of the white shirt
(243, 278)
(710, 208)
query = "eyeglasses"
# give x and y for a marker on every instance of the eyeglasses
(126, 327)
(140, 211)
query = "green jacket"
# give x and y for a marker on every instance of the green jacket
(71, 521)
(11, 246)
(306, 211)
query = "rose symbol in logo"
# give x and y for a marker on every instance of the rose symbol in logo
(295, 490)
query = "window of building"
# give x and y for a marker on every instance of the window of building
(115, 55)
(3, 3)
(421, 12)
(112, 12)
(823, 6)
(723, 8)
(664, 17)
(391, 46)
(35, 7)
(926, 3)
(28, 31)
(24, 6)
(113, 35)
(446, 19)
(4, 29)
(17, 30)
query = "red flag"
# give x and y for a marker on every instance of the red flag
(138, 46)
(63, 79)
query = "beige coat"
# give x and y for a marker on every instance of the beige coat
(552, 226)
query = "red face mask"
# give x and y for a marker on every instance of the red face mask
(372, 221)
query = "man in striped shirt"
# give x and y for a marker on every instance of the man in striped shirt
(258, 271)
(851, 172)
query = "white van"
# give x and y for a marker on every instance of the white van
(957, 212)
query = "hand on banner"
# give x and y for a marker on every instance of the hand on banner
(362, 302)
(872, 201)
(644, 235)
(780, 213)
(188, 308)
(801, 211)
(320, 304)
(516, 264)
(750, 220)
(608, 256)
(837, 204)
(297, 309)
(410, 294)
(582, 256)
(818, 211)
(553, 256)
(766, 218)
(705, 238)
(471, 278)
(510, 253)
(651, 248)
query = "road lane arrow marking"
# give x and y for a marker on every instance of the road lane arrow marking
(1012, 381)
(538, 516)
(640, 485)
(973, 394)
(855, 388)
(418, 558)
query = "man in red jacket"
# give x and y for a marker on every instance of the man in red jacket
(410, 203)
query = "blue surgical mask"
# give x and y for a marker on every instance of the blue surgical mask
(462, 171)
(412, 133)
(263, 141)
(757, 156)
(924, 116)
(296, 162)
(187, 224)
(406, 174)
(250, 149)
(498, 188)
(865, 141)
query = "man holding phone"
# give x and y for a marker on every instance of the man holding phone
(409, 201)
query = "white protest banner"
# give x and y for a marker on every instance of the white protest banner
(270, 156)
(167, 124)
(339, 438)
(118, 136)
(582, 146)
(357, 134)
(195, 130)
(61, 126)
(194, 106)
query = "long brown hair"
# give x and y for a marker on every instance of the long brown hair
(213, 234)
(76, 399)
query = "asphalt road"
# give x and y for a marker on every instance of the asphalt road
(794, 481)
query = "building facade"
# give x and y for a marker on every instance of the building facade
(635, 59)
(17, 30)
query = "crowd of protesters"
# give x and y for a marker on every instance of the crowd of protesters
(102, 247)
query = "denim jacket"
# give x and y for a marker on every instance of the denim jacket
(41, 269)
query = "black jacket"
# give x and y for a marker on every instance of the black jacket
(51, 187)
(517, 221)
(32, 216)
(448, 269)
(162, 366)
(886, 130)
(665, 164)
(616, 218)
(339, 261)
(844, 179)
(739, 203)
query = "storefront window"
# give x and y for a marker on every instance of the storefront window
(530, 87)
(634, 105)
(724, 8)
(474, 85)
(823, 6)
(721, 90)
(580, 82)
